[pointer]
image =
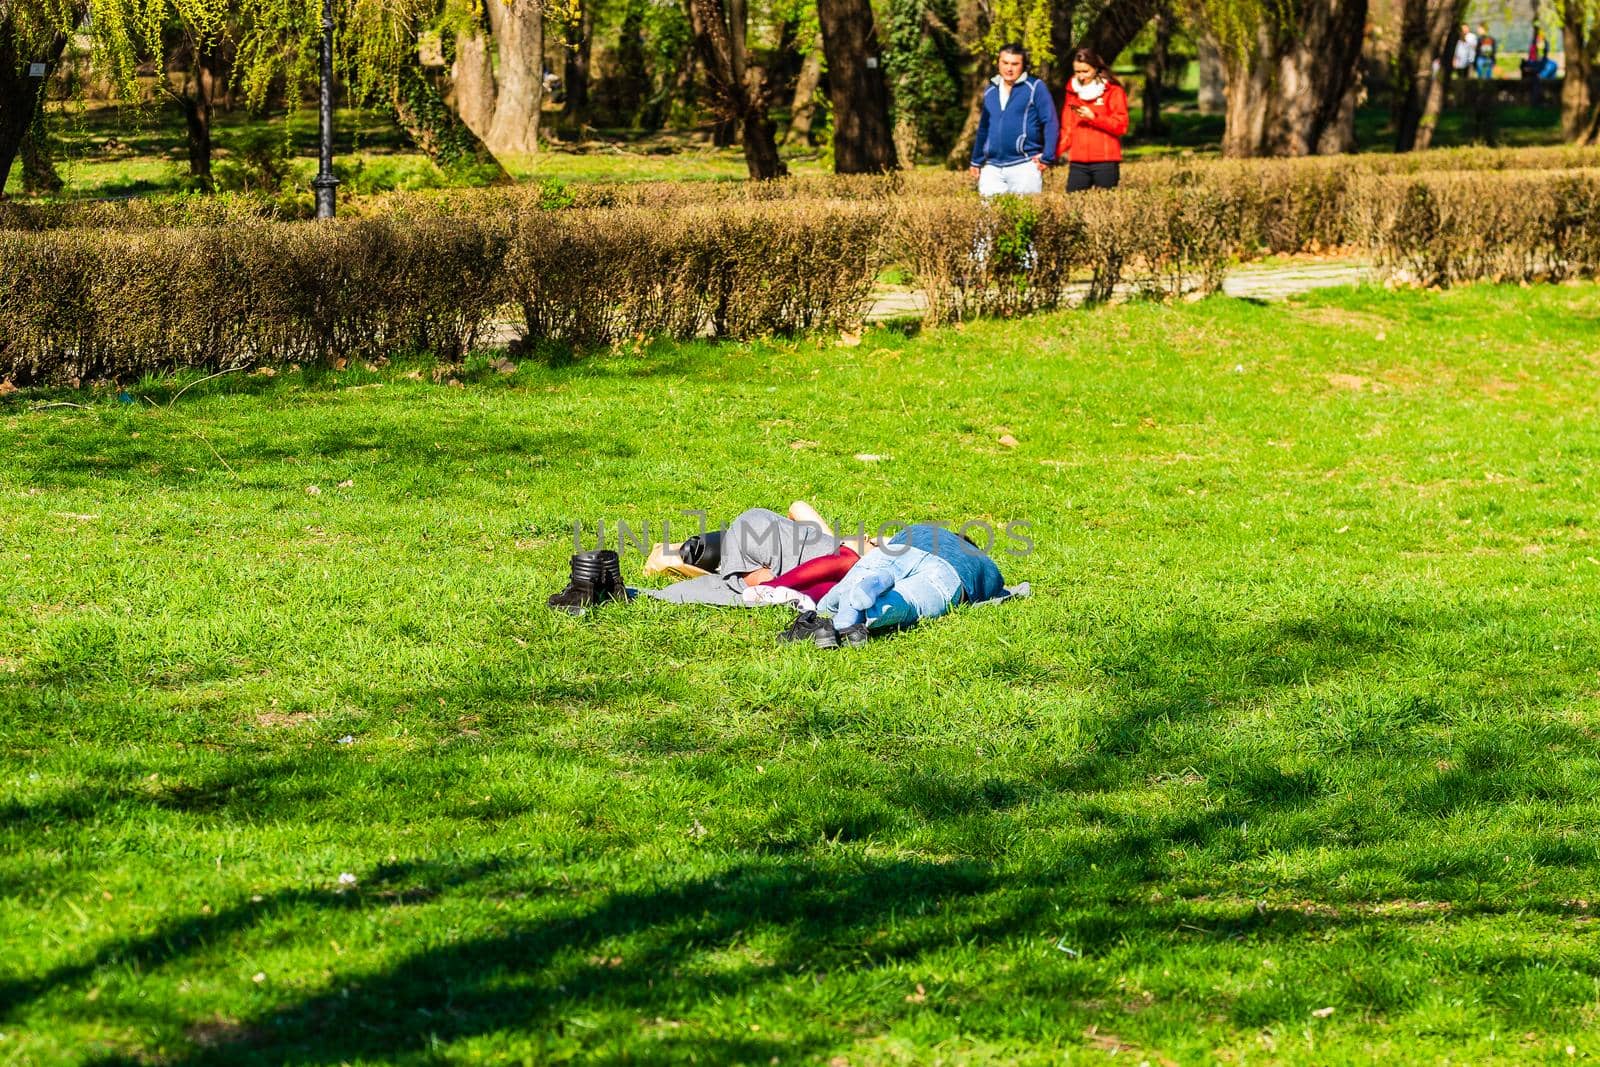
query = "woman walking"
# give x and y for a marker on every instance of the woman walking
(1094, 116)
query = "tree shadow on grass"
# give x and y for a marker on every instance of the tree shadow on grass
(607, 972)
(430, 452)
(601, 978)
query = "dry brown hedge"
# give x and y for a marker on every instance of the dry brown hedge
(93, 302)
(87, 304)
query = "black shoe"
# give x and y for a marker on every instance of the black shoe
(596, 578)
(809, 626)
(853, 636)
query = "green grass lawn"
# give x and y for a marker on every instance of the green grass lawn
(112, 151)
(1291, 757)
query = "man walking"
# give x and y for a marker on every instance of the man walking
(1465, 56)
(1017, 130)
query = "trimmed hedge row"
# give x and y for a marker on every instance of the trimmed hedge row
(1022, 256)
(1471, 227)
(93, 303)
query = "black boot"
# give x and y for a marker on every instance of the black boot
(596, 578)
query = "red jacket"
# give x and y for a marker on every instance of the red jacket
(1097, 139)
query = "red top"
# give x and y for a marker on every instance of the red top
(1097, 139)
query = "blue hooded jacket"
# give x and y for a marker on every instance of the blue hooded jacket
(980, 578)
(1026, 127)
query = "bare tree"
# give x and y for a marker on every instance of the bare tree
(738, 88)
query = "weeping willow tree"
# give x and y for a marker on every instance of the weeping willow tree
(271, 47)
(124, 36)
(1293, 73)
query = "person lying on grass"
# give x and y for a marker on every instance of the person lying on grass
(762, 548)
(920, 573)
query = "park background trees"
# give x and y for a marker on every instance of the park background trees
(871, 84)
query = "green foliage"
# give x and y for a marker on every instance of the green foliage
(1027, 21)
(555, 195)
(1017, 220)
(258, 162)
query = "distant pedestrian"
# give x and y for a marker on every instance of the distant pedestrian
(1539, 64)
(1488, 50)
(1465, 56)
(1094, 116)
(1016, 141)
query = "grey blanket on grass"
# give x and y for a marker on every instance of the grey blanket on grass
(726, 591)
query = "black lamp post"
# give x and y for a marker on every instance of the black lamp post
(325, 183)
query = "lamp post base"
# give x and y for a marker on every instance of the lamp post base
(324, 185)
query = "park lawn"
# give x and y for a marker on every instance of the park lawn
(1291, 757)
(122, 151)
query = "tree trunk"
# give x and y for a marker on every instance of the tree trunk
(22, 96)
(472, 83)
(580, 38)
(196, 102)
(1580, 90)
(1059, 69)
(1211, 99)
(804, 108)
(518, 29)
(633, 68)
(1118, 23)
(738, 90)
(863, 140)
(1293, 92)
(39, 175)
(1421, 64)
(1155, 73)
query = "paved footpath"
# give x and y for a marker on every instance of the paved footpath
(1249, 282)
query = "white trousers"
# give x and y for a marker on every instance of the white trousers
(1019, 179)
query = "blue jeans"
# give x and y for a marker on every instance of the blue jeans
(893, 586)
(1485, 68)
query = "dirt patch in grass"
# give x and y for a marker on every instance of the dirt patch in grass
(277, 720)
(1112, 1045)
(218, 1032)
(1342, 318)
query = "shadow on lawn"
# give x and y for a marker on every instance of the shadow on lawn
(608, 970)
(615, 977)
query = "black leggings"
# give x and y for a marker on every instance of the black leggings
(1081, 176)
